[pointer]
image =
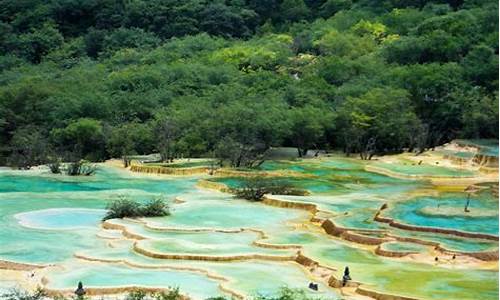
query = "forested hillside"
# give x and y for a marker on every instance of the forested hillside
(96, 79)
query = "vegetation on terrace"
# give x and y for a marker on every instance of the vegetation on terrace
(229, 79)
(126, 208)
(254, 188)
(173, 294)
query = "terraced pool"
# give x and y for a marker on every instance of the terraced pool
(214, 244)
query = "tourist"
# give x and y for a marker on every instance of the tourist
(80, 291)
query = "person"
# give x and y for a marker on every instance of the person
(346, 277)
(80, 291)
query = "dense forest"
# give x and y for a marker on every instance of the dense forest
(229, 79)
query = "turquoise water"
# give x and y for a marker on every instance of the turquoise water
(411, 168)
(411, 212)
(61, 218)
(403, 247)
(419, 280)
(46, 205)
(103, 275)
(486, 147)
(228, 214)
(210, 243)
(38, 209)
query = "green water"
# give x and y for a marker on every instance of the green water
(103, 275)
(411, 168)
(412, 212)
(486, 147)
(38, 208)
(210, 243)
(424, 281)
(403, 247)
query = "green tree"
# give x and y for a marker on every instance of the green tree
(83, 138)
(307, 127)
(37, 43)
(379, 121)
(29, 147)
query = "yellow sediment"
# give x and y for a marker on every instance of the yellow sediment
(212, 185)
(168, 171)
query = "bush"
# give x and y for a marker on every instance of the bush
(16, 294)
(172, 294)
(126, 208)
(287, 294)
(80, 167)
(136, 295)
(55, 167)
(155, 208)
(255, 188)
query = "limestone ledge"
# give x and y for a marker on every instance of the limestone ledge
(17, 266)
(383, 171)
(226, 172)
(492, 255)
(310, 207)
(221, 187)
(477, 235)
(259, 242)
(97, 291)
(213, 185)
(234, 294)
(137, 248)
(384, 252)
(167, 170)
(487, 161)
(125, 232)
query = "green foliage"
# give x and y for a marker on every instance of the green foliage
(126, 208)
(287, 294)
(136, 295)
(77, 168)
(99, 79)
(381, 119)
(16, 294)
(171, 294)
(254, 188)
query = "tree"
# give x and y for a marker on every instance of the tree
(29, 147)
(129, 139)
(380, 121)
(331, 7)
(37, 43)
(167, 131)
(294, 10)
(82, 138)
(307, 127)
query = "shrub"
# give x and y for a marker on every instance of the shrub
(287, 294)
(155, 208)
(17, 294)
(255, 188)
(136, 295)
(80, 167)
(172, 294)
(124, 207)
